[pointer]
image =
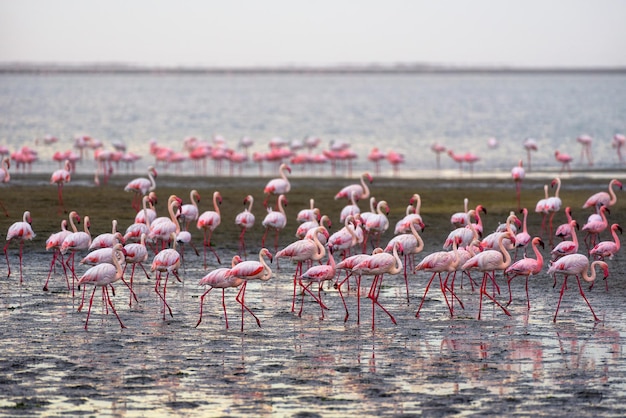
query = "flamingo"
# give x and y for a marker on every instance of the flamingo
(166, 261)
(300, 251)
(604, 198)
(344, 239)
(530, 144)
(525, 267)
(594, 227)
(217, 279)
(489, 261)
(251, 270)
(438, 148)
(403, 226)
(54, 242)
(518, 175)
(375, 156)
(276, 220)
(148, 213)
(134, 231)
(350, 209)
(608, 249)
(412, 244)
(348, 264)
(437, 263)
(378, 223)
(577, 265)
(136, 253)
(564, 159)
(104, 275)
(306, 227)
(361, 191)
(522, 239)
(319, 274)
(553, 205)
(162, 228)
(141, 186)
(107, 240)
(618, 142)
(378, 265)
(566, 247)
(5, 177)
(278, 186)
(75, 242)
(564, 231)
(245, 220)
(208, 221)
(586, 141)
(19, 231)
(60, 177)
(310, 214)
(461, 218)
(189, 211)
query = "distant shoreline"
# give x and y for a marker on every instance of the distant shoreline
(60, 68)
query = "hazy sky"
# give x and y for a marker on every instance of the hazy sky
(320, 32)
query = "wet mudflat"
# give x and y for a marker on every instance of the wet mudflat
(302, 366)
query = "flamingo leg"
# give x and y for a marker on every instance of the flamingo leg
(584, 297)
(89, 310)
(483, 291)
(7, 257)
(425, 292)
(241, 296)
(374, 293)
(558, 305)
(202, 303)
(105, 290)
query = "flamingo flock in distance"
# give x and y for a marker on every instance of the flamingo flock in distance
(357, 250)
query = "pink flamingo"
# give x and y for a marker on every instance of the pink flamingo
(395, 159)
(608, 249)
(147, 214)
(208, 221)
(412, 213)
(378, 265)
(351, 209)
(108, 239)
(437, 263)
(104, 275)
(378, 223)
(458, 158)
(489, 261)
(319, 274)
(134, 231)
(522, 239)
(245, 220)
(348, 264)
(518, 175)
(251, 270)
(594, 228)
(217, 279)
(525, 267)
(564, 159)
(604, 198)
(530, 145)
(361, 191)
(375, 156)
(344, 239)
(141, 186)
(310, 214)
(166, 261)
(278, 186)
(75, 242)
(566, 247)
(461, 218)
(60, 177)
(577, 265)
(412, 244)
(276, 220)
(5, 177)
(19, 231)
(553, 205)
(437, 148)
(586, 142)
(540, 207)
(189, 211)
(564, 231)
(136, 253)
(162, 228)
(305, 227)
(54, 243)
(618, 142)
(300, 251)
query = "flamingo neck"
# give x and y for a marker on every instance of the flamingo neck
(72, 225)
(537, 253)
(613, 199)
(366, 190)
(591, 277)
(616, 238)
(250, 202)
(505, 253)
(216, 207)
(397, 267)
(420, 241)
(145, 211)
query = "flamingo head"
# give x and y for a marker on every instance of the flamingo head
(265, 252)
(481, 208)
(152, 171)
(369, 177)
(538, 241)
(197, 196)
(555, 181)
(618, 184)
(152, 197)
(218, 198)
(619, 228)
(605, 269)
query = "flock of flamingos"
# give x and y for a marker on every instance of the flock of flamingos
(468, 250)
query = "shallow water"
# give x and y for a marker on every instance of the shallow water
(433, 365)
